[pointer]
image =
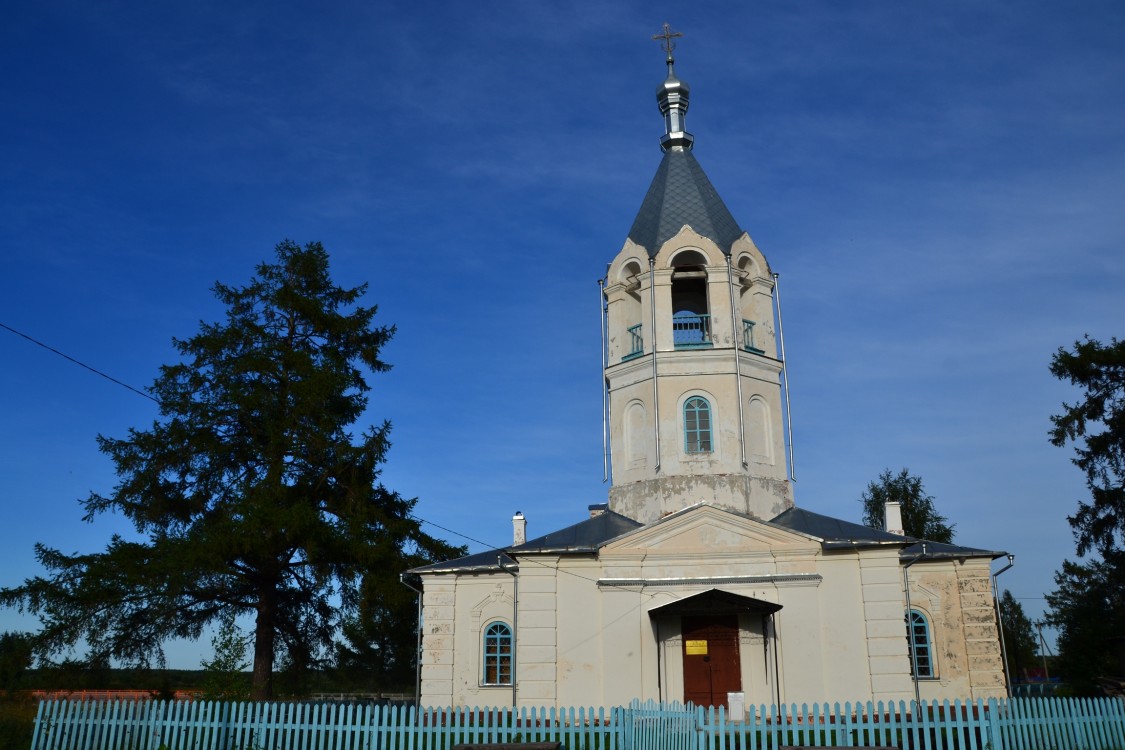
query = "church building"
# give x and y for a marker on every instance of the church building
(700, 580)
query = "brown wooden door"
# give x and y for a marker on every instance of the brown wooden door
(711, 664)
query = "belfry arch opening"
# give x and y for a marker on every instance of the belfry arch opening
(747, 270)
(633, 335)
(756, 308)
(691, 319)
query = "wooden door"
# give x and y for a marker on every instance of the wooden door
(711, 664)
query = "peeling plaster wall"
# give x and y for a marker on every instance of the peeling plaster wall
(982, 644)
(653, 473)
(439, 650)
(956, 596)
(455, 611)
(654, 498)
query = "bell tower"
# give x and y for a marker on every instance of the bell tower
(692, 372)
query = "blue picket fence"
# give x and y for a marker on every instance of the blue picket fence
(1018, 724)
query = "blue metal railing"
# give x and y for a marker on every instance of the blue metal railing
(691, 331)
(636, 341)
(748, 337)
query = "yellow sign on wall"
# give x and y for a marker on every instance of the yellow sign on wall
(695, 648)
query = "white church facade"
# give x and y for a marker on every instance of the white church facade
(700, 580)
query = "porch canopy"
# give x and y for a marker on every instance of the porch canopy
(714, 602)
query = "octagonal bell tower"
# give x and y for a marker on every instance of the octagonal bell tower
(692, 368)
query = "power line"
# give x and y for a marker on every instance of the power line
(521, 560)
(112, 379)
(94, 370)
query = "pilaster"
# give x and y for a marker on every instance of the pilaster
(982, 641)
(438, 640)
(883, 611)
(537, 637)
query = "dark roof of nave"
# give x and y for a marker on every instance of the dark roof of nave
(840, 534)
(681, 194)
(490, 560)
(834, 531)
(589, 535)
(935, 550)
(584, 536)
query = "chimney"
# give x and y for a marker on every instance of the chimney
(519, 529)
(598, 509)
(893, 518)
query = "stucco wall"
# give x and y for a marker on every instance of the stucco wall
(956, 597)
(653, 473)
(590, 632)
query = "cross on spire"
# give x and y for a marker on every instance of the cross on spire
(666, 38)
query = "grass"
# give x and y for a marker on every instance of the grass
(17, 720)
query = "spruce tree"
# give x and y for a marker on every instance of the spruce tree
(250, 495)
(920, 517)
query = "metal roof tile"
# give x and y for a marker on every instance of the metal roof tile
(681, 194)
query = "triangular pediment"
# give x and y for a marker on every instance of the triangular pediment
(707, 529)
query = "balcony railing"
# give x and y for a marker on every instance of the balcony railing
(636, 342)
(691, 331)
(748, 337)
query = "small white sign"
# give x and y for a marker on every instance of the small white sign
(736, 706)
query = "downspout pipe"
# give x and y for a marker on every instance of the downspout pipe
(776, 670)
(734, 318)
(784, 376)
(1000, 622)
(514, 573)
(418, 651)
(655, 380)
(603, 312)
(910, 628)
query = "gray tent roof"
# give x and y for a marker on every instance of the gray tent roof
(680, 194)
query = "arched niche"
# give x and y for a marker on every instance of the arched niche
(636, 434)
(759, 426)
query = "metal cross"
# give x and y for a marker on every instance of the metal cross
(666, 38)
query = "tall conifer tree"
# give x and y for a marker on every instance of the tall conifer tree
(249, 494)
(1096, 427)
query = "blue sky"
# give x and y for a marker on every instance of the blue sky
(940, 186)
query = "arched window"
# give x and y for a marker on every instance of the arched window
(497, 654)
(921, 656)
(697, 425)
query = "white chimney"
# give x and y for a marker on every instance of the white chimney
(519, 529)
(893, 518)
